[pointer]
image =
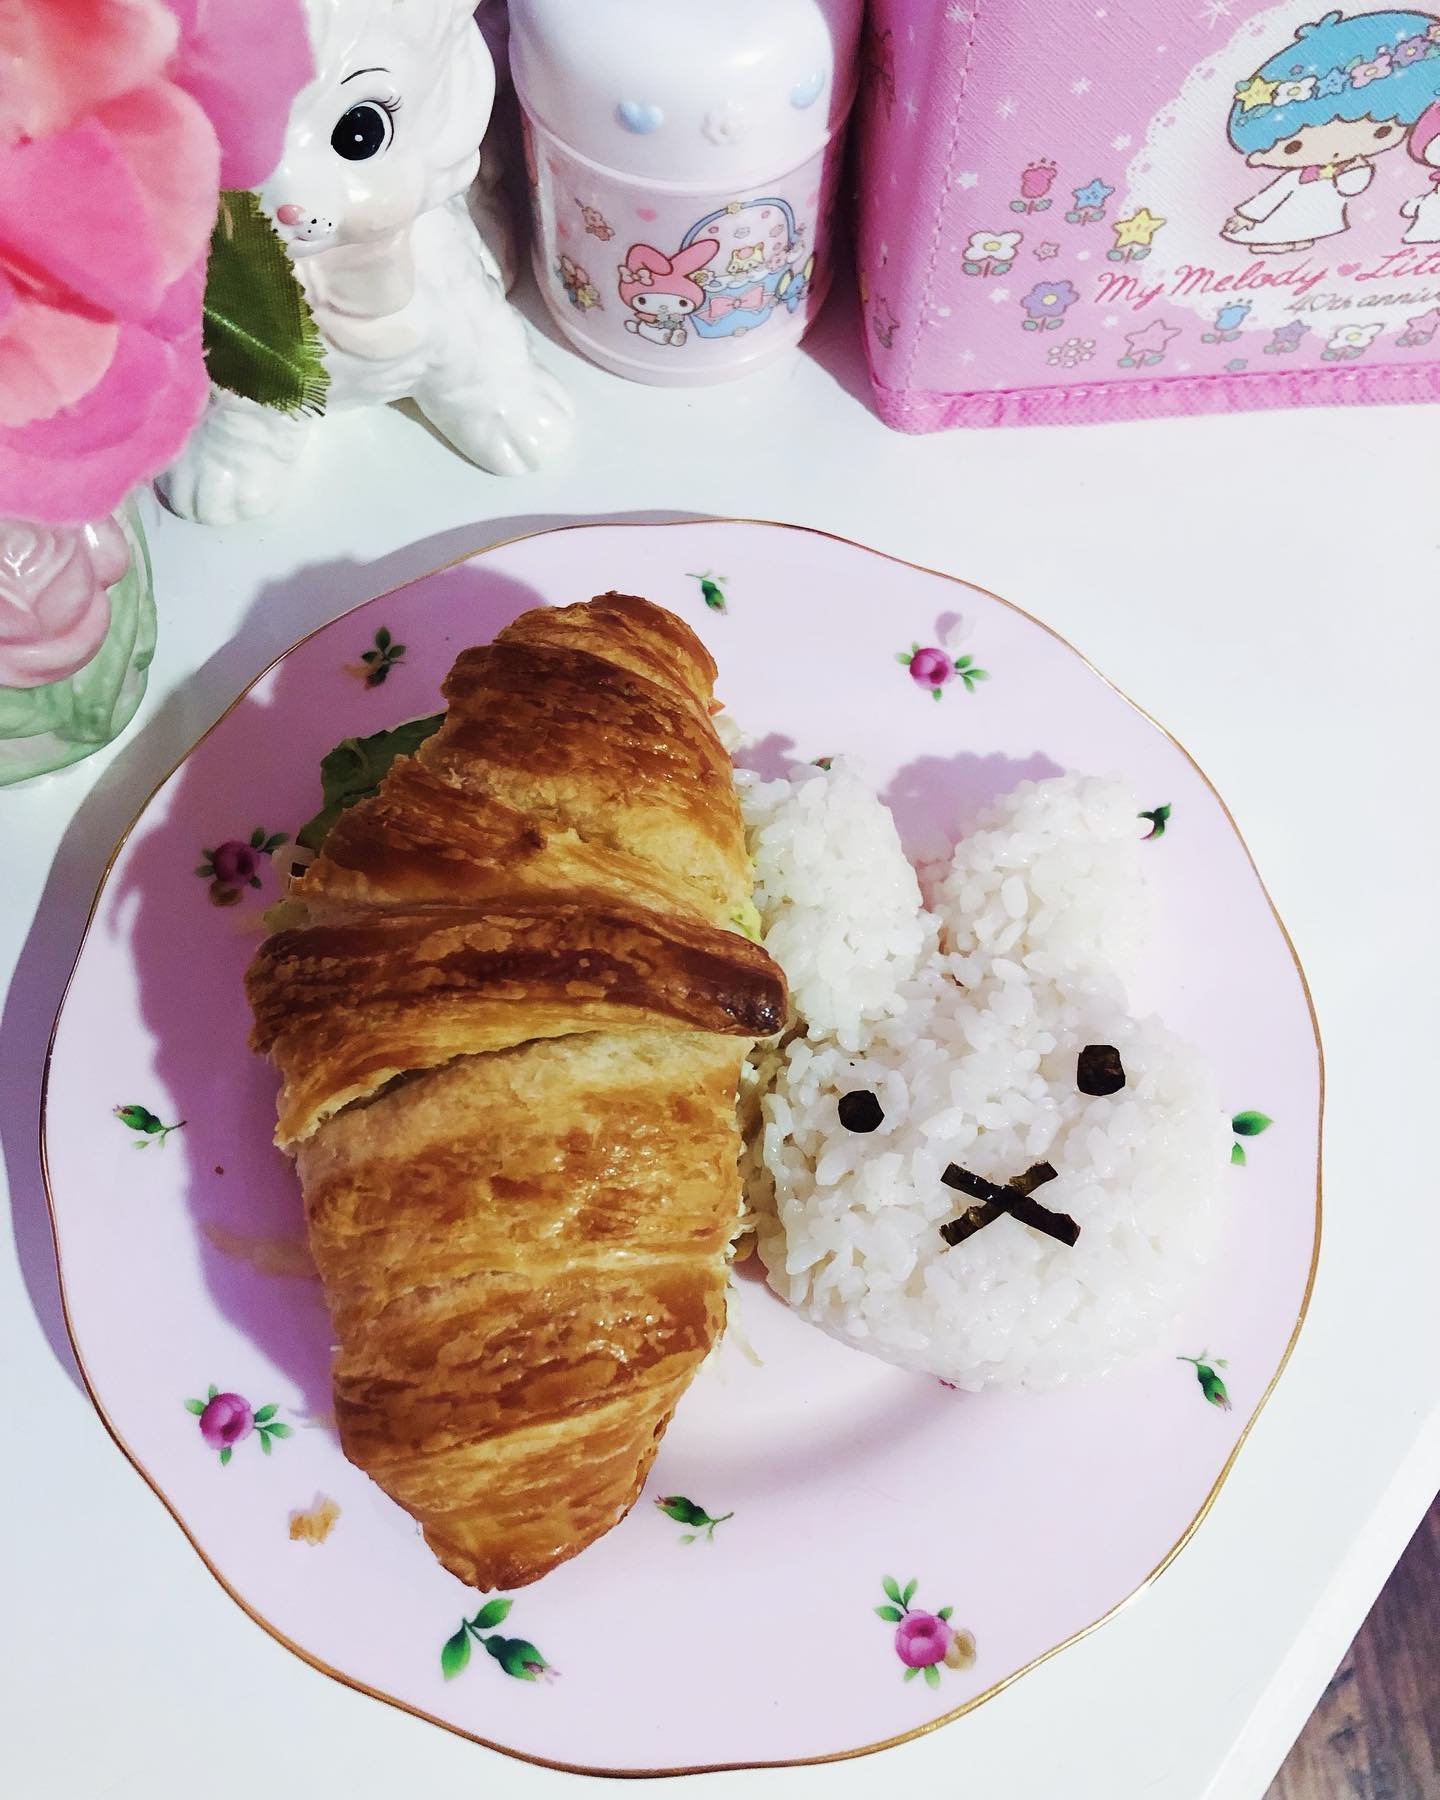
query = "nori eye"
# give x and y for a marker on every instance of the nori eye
(861, 1111)
(1099, 1070)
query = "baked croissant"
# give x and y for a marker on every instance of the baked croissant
(509, 1026)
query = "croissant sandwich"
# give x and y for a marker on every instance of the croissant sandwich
(509, 1019)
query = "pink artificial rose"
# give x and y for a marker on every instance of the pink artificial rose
(54, 608)
(118, 121)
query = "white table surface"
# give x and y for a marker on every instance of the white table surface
(1265, 585)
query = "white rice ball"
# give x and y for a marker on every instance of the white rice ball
(965, 1020)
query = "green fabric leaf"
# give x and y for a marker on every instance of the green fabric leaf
(454, 1654)
(892, 1613)
(1250, 1124)
(260, 336)
(491, 1613)
(892, 1588)
(354, 769)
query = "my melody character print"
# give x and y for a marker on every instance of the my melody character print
(661, 291)
(1210, 206)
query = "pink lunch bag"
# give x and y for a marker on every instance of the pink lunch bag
(1087, 211)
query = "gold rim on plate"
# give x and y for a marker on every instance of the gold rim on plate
(790, 1762)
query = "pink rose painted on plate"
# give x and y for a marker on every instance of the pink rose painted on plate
(931, 667)
(226, 1420)
(924, 1641)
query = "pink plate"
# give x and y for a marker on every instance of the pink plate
(737, 1623)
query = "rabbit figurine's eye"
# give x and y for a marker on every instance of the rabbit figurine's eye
(363, 131)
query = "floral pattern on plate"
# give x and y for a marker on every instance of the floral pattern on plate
(924, 1641)
(226, 1420)
(516, 1656)
(792, 1444)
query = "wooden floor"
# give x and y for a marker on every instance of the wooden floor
(1376, 1733)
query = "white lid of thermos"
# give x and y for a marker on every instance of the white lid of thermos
(671, 91)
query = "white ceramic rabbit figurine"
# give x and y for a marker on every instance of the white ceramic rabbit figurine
(370, 197)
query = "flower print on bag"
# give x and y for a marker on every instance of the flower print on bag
(1143, 349)
(991, 252)
(1035, 184)
(1286, 338)
(1134, 236)
(1046, 304)
(1350, 341)
(1420, 329)
(1298, 117)
(1228, 321)
(1287, 92)
(1089, 207)
(1071, 353)
(1362, 74)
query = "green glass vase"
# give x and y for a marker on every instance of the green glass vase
(56, 723)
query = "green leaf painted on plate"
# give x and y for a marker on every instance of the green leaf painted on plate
(909, 1674)
(892, 1588)
(892, 1613)
(1237, 1155)
(454, 1654)
(683, 1511)
(225, 1456)
(516, 1657)
(1158, 817)
(1211, 1385)
(492, 1613)
(264, 1437)
(280, 1430)
(944, 1612)
(932, 1676)
(195, 1406)
(211, 1391)
(909, 1592)
(266, 1412)
(1250, 1124)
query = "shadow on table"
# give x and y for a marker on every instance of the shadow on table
(283, 611)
